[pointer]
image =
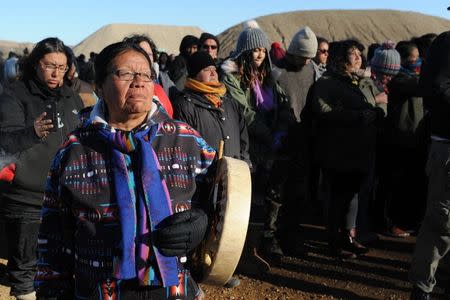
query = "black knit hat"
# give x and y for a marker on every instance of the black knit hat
(198, 61)
(206, 36)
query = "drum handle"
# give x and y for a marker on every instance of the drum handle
(216, 179)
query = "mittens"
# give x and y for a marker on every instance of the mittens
(181, 232)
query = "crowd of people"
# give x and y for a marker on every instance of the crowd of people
(103, 193)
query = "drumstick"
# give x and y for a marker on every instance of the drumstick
(216, 179)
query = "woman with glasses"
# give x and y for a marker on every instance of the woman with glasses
(118, 216)
(36, 114)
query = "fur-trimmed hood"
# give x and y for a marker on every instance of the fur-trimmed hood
(229, 66)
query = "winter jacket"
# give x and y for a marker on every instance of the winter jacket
(261, 125)
(405, 123)
(435, 82)
(296, 84)
(345, 117)
(20, 105)
(81, 225)
(178, 72)
(214, 124)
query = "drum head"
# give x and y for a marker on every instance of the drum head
(218, 256)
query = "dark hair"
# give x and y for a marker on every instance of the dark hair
(48, 45)
(371, 50)
(321, 40)
(139, 38)
(405, 48)
(338, 56)
(208, 36)
(423, 43)
(104, 58)
(248, 70)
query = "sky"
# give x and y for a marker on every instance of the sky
(73, 21)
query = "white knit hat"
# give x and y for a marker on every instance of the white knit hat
(304, 43)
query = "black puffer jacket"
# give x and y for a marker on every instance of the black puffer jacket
(215, 124)
(435, 82)
(20, 105)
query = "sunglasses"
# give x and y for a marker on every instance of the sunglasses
(213, 47)
(323, 51)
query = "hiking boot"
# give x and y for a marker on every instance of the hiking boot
(395, 231)
(272, 250)
(352, 245)
(418, 294)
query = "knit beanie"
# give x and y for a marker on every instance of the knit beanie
(198, 61)
(276, 52)
(303, 43)
(206, 36)
(386, 59)
(251, 38)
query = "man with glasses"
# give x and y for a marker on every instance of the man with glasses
(319, 62)
(210, 43)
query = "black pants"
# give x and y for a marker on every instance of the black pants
(22, 238)
(341, 188)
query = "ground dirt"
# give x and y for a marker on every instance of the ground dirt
(380, 274)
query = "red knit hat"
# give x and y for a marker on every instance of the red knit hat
(277, 52)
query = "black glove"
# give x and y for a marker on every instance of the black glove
(368, 116)
(181, 232)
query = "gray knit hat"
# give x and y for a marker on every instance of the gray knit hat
(386, 59)
(252, 37)
(304, 43)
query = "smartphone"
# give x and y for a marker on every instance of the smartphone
(52, 114)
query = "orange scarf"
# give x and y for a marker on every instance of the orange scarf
(213, 91)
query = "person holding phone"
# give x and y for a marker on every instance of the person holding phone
(36, 114)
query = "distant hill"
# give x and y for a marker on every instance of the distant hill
(7, 46)
(165, 37)
(368, 26)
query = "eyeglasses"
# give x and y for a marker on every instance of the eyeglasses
(53, 67)
(323, 51)
(213, 47)
(130, 76)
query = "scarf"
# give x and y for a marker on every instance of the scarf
(213, 91)
(412, 68)
(139, 215)
(263, 95)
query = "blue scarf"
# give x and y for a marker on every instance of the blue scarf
(139, 214)
(412, 69)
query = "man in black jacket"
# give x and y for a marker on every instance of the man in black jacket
(433, 241)
(33, 138)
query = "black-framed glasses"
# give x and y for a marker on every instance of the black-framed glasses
(53, 67)
(125, 75)
(213, 47)
(323, 51)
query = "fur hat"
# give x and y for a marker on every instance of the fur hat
(198, 61)
(304, 43)
(386, 59)
(250, 38)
